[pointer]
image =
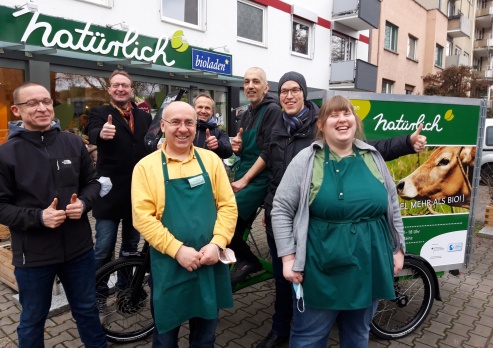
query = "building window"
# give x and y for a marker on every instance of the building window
(182, 12)
(387, 86)
(466, 55)
(390, 37)
(450, 9)
(409, 89)
(458, 51)
(448, 50)
(342, 47)
(301, 37)
(438, 55)
(251, 22)
(412, 48)
(102, 3)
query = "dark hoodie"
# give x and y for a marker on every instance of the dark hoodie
(35, 168)
(224, 149)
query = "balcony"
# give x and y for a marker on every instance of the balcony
(357, 14)
(483, 46)
(484, 15)
(353, 75)
(456, 60)
(459, 26)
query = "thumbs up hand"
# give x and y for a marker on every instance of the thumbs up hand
(75, 209)
(236, 142)
(109, 130)
(417, 140)
(211, 141)
(52, 217)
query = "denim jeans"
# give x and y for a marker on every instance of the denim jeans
(35, 288)
(312, 327)
(106, 233)
(283, 309)
(202, 335)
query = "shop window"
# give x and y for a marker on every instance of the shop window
(302, 36)
(342, 47)
(251, 22)
(9, 80)
(183, 12)
(74, 95)
(391, 31)
(220, 104)
(102, 3)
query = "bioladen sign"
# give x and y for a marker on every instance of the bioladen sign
(19, 26)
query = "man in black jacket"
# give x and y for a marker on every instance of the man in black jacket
(118, 130)
(209, 135)
(47, 186)
(294, 131)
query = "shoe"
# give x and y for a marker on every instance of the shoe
(273, 341)
(242, 270)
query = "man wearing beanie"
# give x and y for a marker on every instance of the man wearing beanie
(294, 131)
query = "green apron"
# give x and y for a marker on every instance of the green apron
(253, 195)
(178, 294)
(349, 259)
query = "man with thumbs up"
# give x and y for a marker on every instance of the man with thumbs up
(47, 186)
(209, 135)
(118, 130)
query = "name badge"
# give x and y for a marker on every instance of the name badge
(196, 181)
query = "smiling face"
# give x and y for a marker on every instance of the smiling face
(339, 128)
(291, 103)
(120, 90)
(255, 86)
(38, 117)
(204, 108)
(179, 138)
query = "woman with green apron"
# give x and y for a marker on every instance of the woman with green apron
(340, 193)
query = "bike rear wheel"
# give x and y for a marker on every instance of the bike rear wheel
(125, 308)
(415, 291)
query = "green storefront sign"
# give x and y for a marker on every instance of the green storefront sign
(21, 26)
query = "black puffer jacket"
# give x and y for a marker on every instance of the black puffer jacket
(224, 149)
(284, 147)
(35, 168)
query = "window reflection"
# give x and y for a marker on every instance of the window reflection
(9, 80)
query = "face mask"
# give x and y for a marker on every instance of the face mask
(298, 290)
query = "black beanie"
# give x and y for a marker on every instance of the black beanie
(296, 77)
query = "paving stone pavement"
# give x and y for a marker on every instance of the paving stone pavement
(463, 319)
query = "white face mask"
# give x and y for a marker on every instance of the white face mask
(298, 290)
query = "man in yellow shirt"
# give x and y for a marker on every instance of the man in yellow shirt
(183, 205)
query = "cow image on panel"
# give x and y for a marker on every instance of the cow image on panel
(443, 179)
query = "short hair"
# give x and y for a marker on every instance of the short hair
(122, 72)
(338, 103)
(19, 88)
(204, 95)
(262, 73)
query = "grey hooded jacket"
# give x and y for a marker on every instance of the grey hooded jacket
(290, 213)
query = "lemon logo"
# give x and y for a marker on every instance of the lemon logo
(177, 41)
(449, 116)
(361, 107)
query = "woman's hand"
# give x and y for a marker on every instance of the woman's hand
(287, 270)
(398, 261)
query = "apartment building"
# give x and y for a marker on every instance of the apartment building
(72, 46)
(420, 37)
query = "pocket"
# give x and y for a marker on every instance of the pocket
(68, 170)
(334, 246)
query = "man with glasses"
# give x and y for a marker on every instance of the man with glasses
(118, 130)
(47, 186)
(209, 135)
(188, 281)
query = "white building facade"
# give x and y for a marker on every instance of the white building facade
(72, 46)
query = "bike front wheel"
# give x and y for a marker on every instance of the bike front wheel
(415, 291)
(124, 307)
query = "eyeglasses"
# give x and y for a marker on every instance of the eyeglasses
(294, 91)
(176, 123)
(124, 85)
(34, 103)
